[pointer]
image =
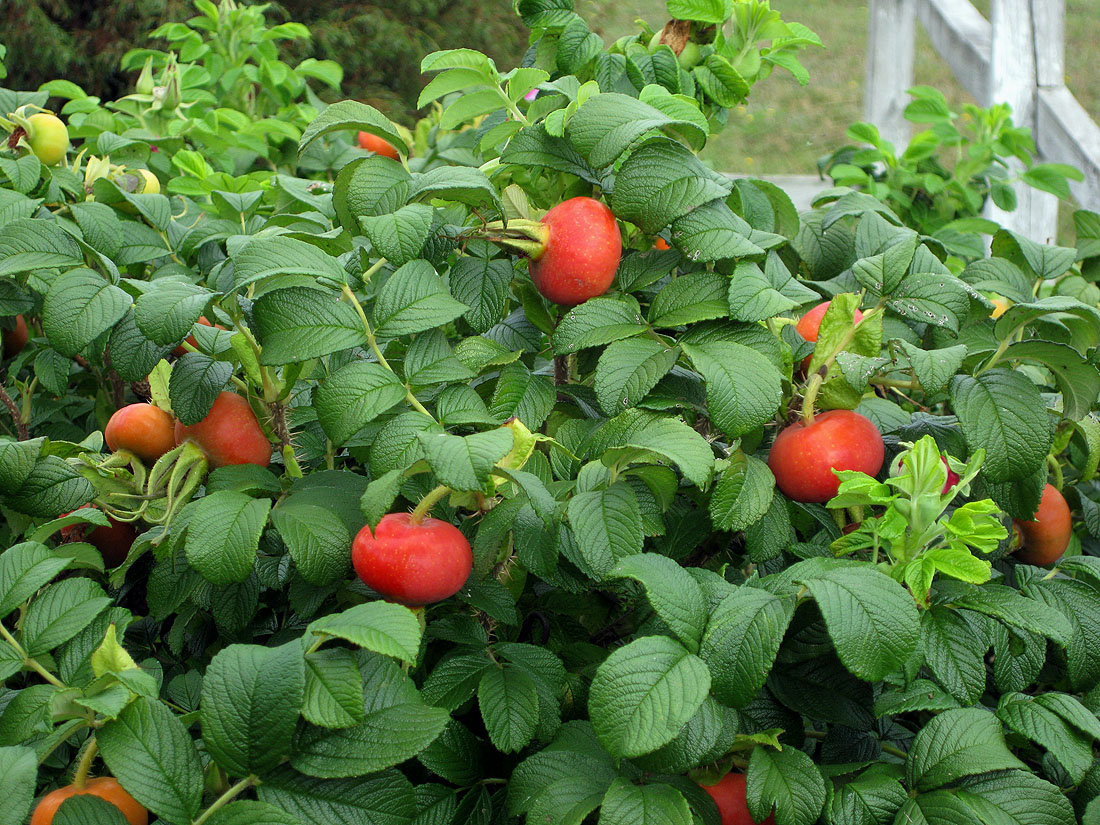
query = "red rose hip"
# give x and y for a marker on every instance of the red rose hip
(230, 433)
(581, 254)
(413, 564)
(1044, 540)
(380, 146)
(143, 429)
(729, 795)
(803, 458)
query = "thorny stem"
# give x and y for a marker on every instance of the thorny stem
(414, 402)
(226, 798)
(428, 502)
(16, 416)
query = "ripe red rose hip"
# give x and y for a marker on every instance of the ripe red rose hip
(1044, 540)
(413, 564)
(380, 146)
(729, 795)
(143, 429)
(803, 458)
(230, 433)
(581, 253)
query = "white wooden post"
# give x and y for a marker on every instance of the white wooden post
(891, 42)
(1014, 78)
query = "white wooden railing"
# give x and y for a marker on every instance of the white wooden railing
(1017, 58)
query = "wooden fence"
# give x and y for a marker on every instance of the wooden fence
(1017, 58)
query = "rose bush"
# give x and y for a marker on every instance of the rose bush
(645, 611)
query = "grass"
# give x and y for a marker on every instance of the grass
(785, 127)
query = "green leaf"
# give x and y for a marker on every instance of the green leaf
(151, 753)
(705, 11)
(351, 114)
(266, 258)
(608, 124)
(250, 812)
(753, 297)
(464, 184)
(166, 312)
(743, 387)
(608, 526)
(596, 322)
(384, 798)
(86, 809)
(787, 781)
(1001, 412)
(251, 696)
(883, 273)
(223, 535)
(51, 488)
(353, 396)
(24, 569)
(688, 299)
(376, 185)
(1032, 719)
(930, 298)
(643, 693)
(465, 462)
(661, 181)
(675, 596)
(1012, 607)
(397, 725)
(1045, 260)
(80, 307)
(382, 627)
(60, 612)
(28, 244)
(636, 435)
(1017, 798)
(333, 695)
(871, 619)
(741, 641)
(196, 382)
(509, 705)
(933, 368)
(955, 653)
(720, 81)
(955, 744)
(18, 770)
(627, 804)
(399, 236)
(629, 369)
(869, 799)
(299, 323)
(482, 285)
(1076, 378)
(743, 493)
(318, 543)
(522, 395)
(455, 756)
(712, 233)
(414, 299)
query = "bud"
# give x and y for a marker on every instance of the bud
(145, 83)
